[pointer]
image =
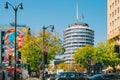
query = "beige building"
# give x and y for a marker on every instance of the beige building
(113, 16)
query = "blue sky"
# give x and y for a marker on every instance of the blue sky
(60, 13)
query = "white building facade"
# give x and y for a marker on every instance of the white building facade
(76, 36)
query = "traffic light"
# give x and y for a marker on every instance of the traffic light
(18, 62)
(2, 38)
(45, 57)
(19, 55)
(10, 57)
(116, 48)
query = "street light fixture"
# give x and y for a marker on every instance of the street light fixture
(44, 48)
(15, 8)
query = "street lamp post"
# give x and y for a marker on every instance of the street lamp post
(44, 49)
(15, 8)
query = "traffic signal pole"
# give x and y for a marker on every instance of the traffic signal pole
(43, 63)
(44, 57)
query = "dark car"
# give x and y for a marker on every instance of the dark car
(110, 76)
(71, 76)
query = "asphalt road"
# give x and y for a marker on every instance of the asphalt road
(32, 79)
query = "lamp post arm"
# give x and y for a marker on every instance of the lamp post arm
(19, 5)
(50, 26)
(15, 8)
(10, 5)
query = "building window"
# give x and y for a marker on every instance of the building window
(115, 12)
(112, 14)
(118, 19)
(118, 27)
(115, 2)
(110, 7)
(113, 23)
(118, 9)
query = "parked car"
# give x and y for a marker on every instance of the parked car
(110, 76)
(70, 76)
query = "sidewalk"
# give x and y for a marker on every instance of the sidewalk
(32, 79)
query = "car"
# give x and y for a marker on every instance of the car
(110, 76)
(70, 76)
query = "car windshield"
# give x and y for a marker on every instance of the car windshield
(97, 76)
(61, 75)
(105, 76)
(112, 76)
(85, 75)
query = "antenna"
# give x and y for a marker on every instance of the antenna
(82, 18)
(77, 11)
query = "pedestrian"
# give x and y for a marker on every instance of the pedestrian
(41, 70)
(1, 73)
(7, 73)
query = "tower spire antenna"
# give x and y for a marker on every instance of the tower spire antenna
(77, 19)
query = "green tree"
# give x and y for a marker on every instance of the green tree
(84, 55)
(102, 53)
(32, 52)
(105, 54)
